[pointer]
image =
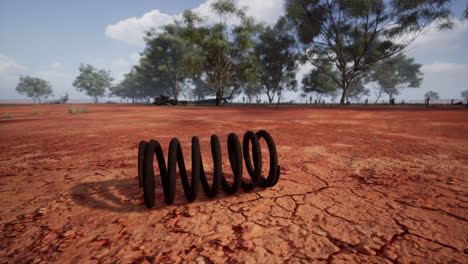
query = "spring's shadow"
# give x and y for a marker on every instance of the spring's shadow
(125, 195)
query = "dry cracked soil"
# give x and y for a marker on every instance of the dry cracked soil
(358, 185)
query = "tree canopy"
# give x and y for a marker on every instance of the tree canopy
(396, 73)
(431, 95)
(201, 89)
(164, 61)
(464, 94)
(36, 88)
(219, 46)
(352, 35)
(131, 87)
(276, 59)
(93, 82)
(320, 83)
(349, 43)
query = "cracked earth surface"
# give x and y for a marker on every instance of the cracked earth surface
(356, 186)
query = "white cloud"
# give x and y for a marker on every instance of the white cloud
(263, 10)
(132, 30)
(444, 67)
(10, 71)
(8, 65)
(118, 66)
(304, 69)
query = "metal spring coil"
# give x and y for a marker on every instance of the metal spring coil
(147, 150)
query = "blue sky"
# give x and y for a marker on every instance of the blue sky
(49, 39)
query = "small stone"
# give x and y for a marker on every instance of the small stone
(68, 233)
(377, 240)
(303, 232)
(365, 250)
(122, 221)
(320, 232)
(221, 228)
(41, 211)
(200, 260)
(350, 249)
(390, 255)
(36, 261)
(260, 253)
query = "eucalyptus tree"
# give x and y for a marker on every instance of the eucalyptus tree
(36, 88)
(219, 45)
(276, 59)
(352, 35)
(396, 73)
(163, 62)
(94, 82)
(319, 83)
(431, 95)
(464, 95)
(132, 87)
(201, 89)
(252, 90)
(357, 90)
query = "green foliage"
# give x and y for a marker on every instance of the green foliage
(431, 95)
(357, 89)
(201, 89)
(319, 82)
(134, 86)
(165, 63)
(218, 49)
(464, 94)
(92, 81)
(35, 112)
(396, 73)
(276, 59)
(353, 35)
(7, 115)
(82, 110)
(224, 7)
(36, 88)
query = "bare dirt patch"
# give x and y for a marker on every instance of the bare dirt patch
(356, 186)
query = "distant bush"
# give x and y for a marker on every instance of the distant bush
(34, 112)
(72, 110)
(6, 115)
(83, 110)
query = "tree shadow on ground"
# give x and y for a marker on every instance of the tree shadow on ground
(124, 195)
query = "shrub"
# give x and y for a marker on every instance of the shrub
(34, 112)
(72, 110)
(83, 110)
(6, 115)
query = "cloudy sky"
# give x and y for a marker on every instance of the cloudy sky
(50, 38)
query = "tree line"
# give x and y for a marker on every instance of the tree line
(352, 46)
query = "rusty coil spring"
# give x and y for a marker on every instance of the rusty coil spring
(147, 150)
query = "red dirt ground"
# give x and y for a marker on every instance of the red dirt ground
(381, 186)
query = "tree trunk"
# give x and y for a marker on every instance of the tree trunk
(270, 98)
(218, 96)
(344, 95)
(378, 96)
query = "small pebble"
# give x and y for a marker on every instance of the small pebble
(41, 211)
